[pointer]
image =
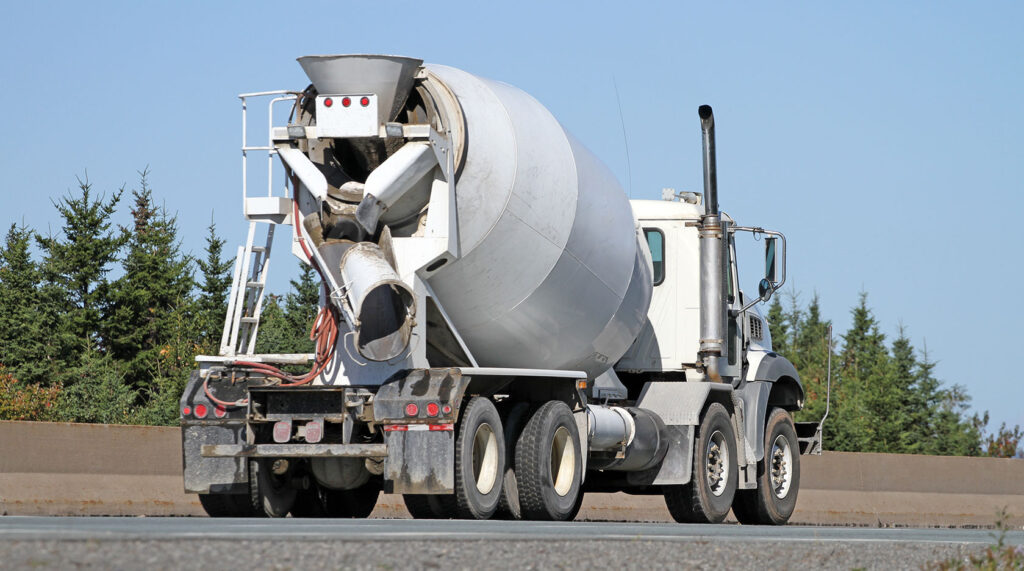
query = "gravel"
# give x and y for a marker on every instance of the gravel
(470, 554)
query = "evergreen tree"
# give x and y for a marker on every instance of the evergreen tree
(149, 318)
(22, 346)
(213, 291)
(810, 355)
(74, 295)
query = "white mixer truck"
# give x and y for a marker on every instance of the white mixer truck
(500, 330)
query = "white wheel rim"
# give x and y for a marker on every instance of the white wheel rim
(563, 461)
(717, 463)
(485, 458)
(782, 466)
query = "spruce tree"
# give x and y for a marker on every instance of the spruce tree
(22, 342)
(75, 292)
(213, 291)
(149, 326)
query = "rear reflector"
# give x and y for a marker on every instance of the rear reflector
(442, 426)
(314, 431)
(396, 427)
(282, 431)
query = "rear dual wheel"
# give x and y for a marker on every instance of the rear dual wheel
(549, 465)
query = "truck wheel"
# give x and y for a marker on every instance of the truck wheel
(778, 476)
(270, 490)
(549, 464)
(429, 506)
(707, 497)
(513, 420)
(226, 505)
(479, 460)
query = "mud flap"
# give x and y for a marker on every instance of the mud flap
(213, 475)
(420, 462)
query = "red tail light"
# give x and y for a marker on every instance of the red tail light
(200, 411)
(433, 409)
(328, 102)
(364, 101)
(345, 101)
(219, 411)
(411, 409)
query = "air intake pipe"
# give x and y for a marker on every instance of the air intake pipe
(712, 267)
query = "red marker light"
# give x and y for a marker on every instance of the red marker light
(364, 101)
(200, 411)
(328, 102)
(411, 409)
(186, 411)
(446, 409)
(432, 409)
(346, 102)
(219, 411)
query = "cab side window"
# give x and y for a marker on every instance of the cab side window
(656, 243)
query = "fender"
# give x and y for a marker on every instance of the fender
(772, 380)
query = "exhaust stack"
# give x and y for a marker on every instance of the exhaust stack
(712, 286)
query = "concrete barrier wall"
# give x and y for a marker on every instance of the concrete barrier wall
(82, 469)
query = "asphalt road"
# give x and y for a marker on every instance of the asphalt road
(143, 542)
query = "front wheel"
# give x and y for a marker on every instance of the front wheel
(778, 476)
(707, 497)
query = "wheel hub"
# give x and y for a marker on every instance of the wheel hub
(781, 466)
(716, 455)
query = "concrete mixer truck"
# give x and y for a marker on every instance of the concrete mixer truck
(500, 329)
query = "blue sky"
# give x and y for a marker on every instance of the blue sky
(883, 138)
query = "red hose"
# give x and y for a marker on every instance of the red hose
(324, 332)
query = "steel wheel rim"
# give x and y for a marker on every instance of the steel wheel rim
(563, 461)
(485, 458)
(717, 467)
(781, 467)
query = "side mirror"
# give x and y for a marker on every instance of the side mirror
(770, 272)
(765, 289)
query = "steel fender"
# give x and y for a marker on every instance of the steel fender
(678, 404)
(774, 367)
(767, 368)
(212, 475)
(420, 387)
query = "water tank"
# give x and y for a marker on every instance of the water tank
(553, 270)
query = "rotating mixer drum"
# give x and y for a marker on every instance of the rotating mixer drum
(553, 271)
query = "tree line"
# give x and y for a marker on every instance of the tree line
(884, 395)
(102, 323)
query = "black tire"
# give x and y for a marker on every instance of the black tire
(318, 502)
(270, 494)
(513, 420)
(707, 498)
(778, 476)
(226, 505)
(427, 506)
(549, 464)
(479, 460)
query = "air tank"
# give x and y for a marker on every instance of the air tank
(552, 269)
